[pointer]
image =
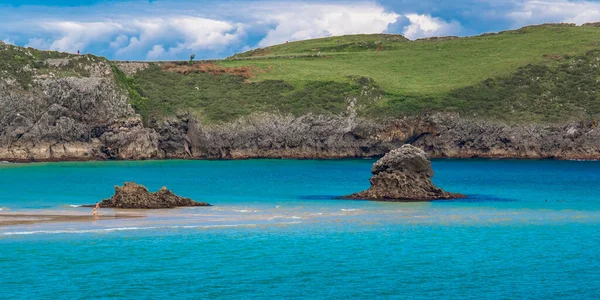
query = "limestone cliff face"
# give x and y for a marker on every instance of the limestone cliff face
(318, 136)
(459, 138)
(64, 115)
(80, 125)
(309, 136)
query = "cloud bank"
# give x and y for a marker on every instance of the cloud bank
(534, 12)
(171, 33)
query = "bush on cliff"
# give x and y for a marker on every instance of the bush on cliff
(224, 97)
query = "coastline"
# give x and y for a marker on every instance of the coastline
(8, 161)
(273, 136)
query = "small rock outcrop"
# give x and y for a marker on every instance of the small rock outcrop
(403, 174)
(134, 196)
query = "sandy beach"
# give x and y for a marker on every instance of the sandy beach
(28, 219)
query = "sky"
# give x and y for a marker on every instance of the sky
(172, 30)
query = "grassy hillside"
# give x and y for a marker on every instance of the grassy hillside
(347, 43)
(429, 67)
(545, 73)
(566, 89)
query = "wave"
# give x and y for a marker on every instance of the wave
(105, 230)
(75, 205)
(350, 209)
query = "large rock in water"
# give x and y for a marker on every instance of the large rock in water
(403, 174)
(134, 196)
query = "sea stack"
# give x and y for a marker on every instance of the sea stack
(404, 174)
(134, 196)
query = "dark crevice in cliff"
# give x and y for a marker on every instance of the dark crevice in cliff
(414, 139)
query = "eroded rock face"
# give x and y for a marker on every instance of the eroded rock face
(134, 196)
(269, 136)
(82, 116)
(328, 136)
(403, 174)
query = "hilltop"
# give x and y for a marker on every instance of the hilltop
(336, 44)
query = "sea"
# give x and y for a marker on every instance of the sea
(527, 230)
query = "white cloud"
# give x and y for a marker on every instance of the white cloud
(297, 21)
(169, 30)
(203, 33)
(146, 33)
(156, 52)
(119, 41)
(427, 26)
(534, 12)
(141, 35)
(75, 36)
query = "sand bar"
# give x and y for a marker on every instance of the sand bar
(27, 219)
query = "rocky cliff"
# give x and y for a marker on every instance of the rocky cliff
(319, 136)
(74, 108)
(67, 108)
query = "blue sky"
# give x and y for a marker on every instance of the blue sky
(160, 29)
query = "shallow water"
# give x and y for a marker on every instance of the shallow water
(529, 229)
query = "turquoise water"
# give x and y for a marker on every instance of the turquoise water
(528, 230)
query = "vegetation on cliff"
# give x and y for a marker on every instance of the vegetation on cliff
(22, 65)
(226, 96)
